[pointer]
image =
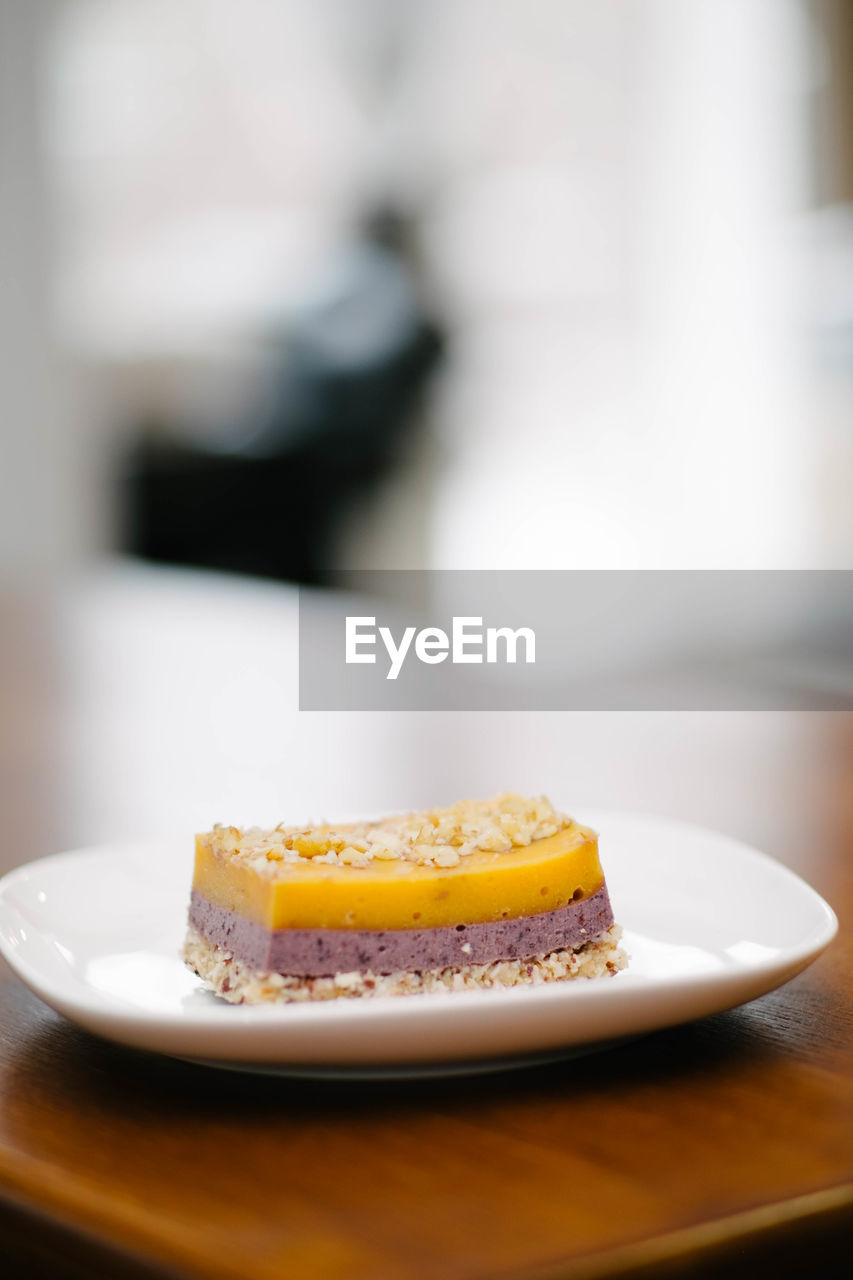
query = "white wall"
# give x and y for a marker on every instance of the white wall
(44, 521)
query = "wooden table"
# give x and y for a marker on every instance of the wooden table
(725, 1144)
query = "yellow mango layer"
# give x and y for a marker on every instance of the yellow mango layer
(544, 876)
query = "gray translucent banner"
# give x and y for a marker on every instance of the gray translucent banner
(544, 640)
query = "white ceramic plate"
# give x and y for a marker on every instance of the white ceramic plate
(709, 923)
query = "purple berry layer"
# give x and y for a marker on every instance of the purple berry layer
(323, 952)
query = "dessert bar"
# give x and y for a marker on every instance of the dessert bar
(491, 893)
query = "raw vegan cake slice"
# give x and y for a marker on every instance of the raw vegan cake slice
(481, 894)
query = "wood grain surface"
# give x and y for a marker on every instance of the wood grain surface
(721, 1146)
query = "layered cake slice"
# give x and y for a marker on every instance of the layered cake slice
(481, 894)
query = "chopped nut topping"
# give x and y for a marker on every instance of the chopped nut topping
(430, 837)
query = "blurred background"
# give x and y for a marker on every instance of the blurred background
(293, 288)
(297, 286)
